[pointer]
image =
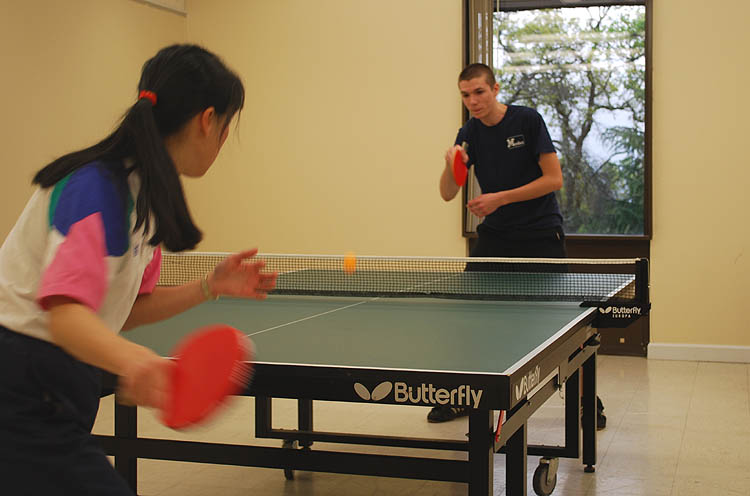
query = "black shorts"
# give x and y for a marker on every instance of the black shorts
(48, 404)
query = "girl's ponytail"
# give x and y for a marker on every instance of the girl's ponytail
(176, 84)
(161, 192)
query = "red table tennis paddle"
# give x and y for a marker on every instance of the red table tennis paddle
(211, 364)
(459, 169)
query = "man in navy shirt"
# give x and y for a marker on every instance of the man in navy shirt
(517, 168)
(518, 171)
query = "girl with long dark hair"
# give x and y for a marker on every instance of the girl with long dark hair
(82, 263)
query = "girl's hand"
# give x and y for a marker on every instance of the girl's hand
(235, 276)
(145, 381)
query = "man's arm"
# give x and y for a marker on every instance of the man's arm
(551, 180)
(448, 187)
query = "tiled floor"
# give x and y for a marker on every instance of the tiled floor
(674, 429)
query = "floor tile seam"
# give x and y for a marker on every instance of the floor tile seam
(684, 428)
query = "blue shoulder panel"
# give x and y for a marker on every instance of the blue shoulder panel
(95, 187)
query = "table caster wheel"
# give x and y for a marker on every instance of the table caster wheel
(545, 476)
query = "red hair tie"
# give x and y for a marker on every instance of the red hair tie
(149, 95)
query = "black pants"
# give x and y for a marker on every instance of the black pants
(549, 243)
(48, 403)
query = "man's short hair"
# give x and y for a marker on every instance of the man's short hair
(476, 70)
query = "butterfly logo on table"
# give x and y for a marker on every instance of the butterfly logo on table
(621, 312)
(381, 391)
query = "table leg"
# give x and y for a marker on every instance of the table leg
(481, 451)
(515, 463)
(589, 413)
(263, 414)
(573, 414)
(305, 418)
(126, 427)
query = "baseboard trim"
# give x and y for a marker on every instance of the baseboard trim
(699, 352)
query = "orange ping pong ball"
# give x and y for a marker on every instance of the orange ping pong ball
(350, 263)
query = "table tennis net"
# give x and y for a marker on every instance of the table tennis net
(589, 281)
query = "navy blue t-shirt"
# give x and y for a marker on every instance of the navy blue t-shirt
(506, 156)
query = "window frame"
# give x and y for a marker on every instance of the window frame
(637, 241)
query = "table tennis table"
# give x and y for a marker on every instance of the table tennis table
(423, 349)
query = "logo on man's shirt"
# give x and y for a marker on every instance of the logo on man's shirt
(515, 142)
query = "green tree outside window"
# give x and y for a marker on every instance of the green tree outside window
(584, 70)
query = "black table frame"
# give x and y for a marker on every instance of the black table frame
(554, 366)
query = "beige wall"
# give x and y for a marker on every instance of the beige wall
(701, 245)
(68, 71)
(349, 107)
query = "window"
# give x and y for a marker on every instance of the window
(584, 70)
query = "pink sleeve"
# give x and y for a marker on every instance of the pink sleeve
(79, 267)
(151, 274)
